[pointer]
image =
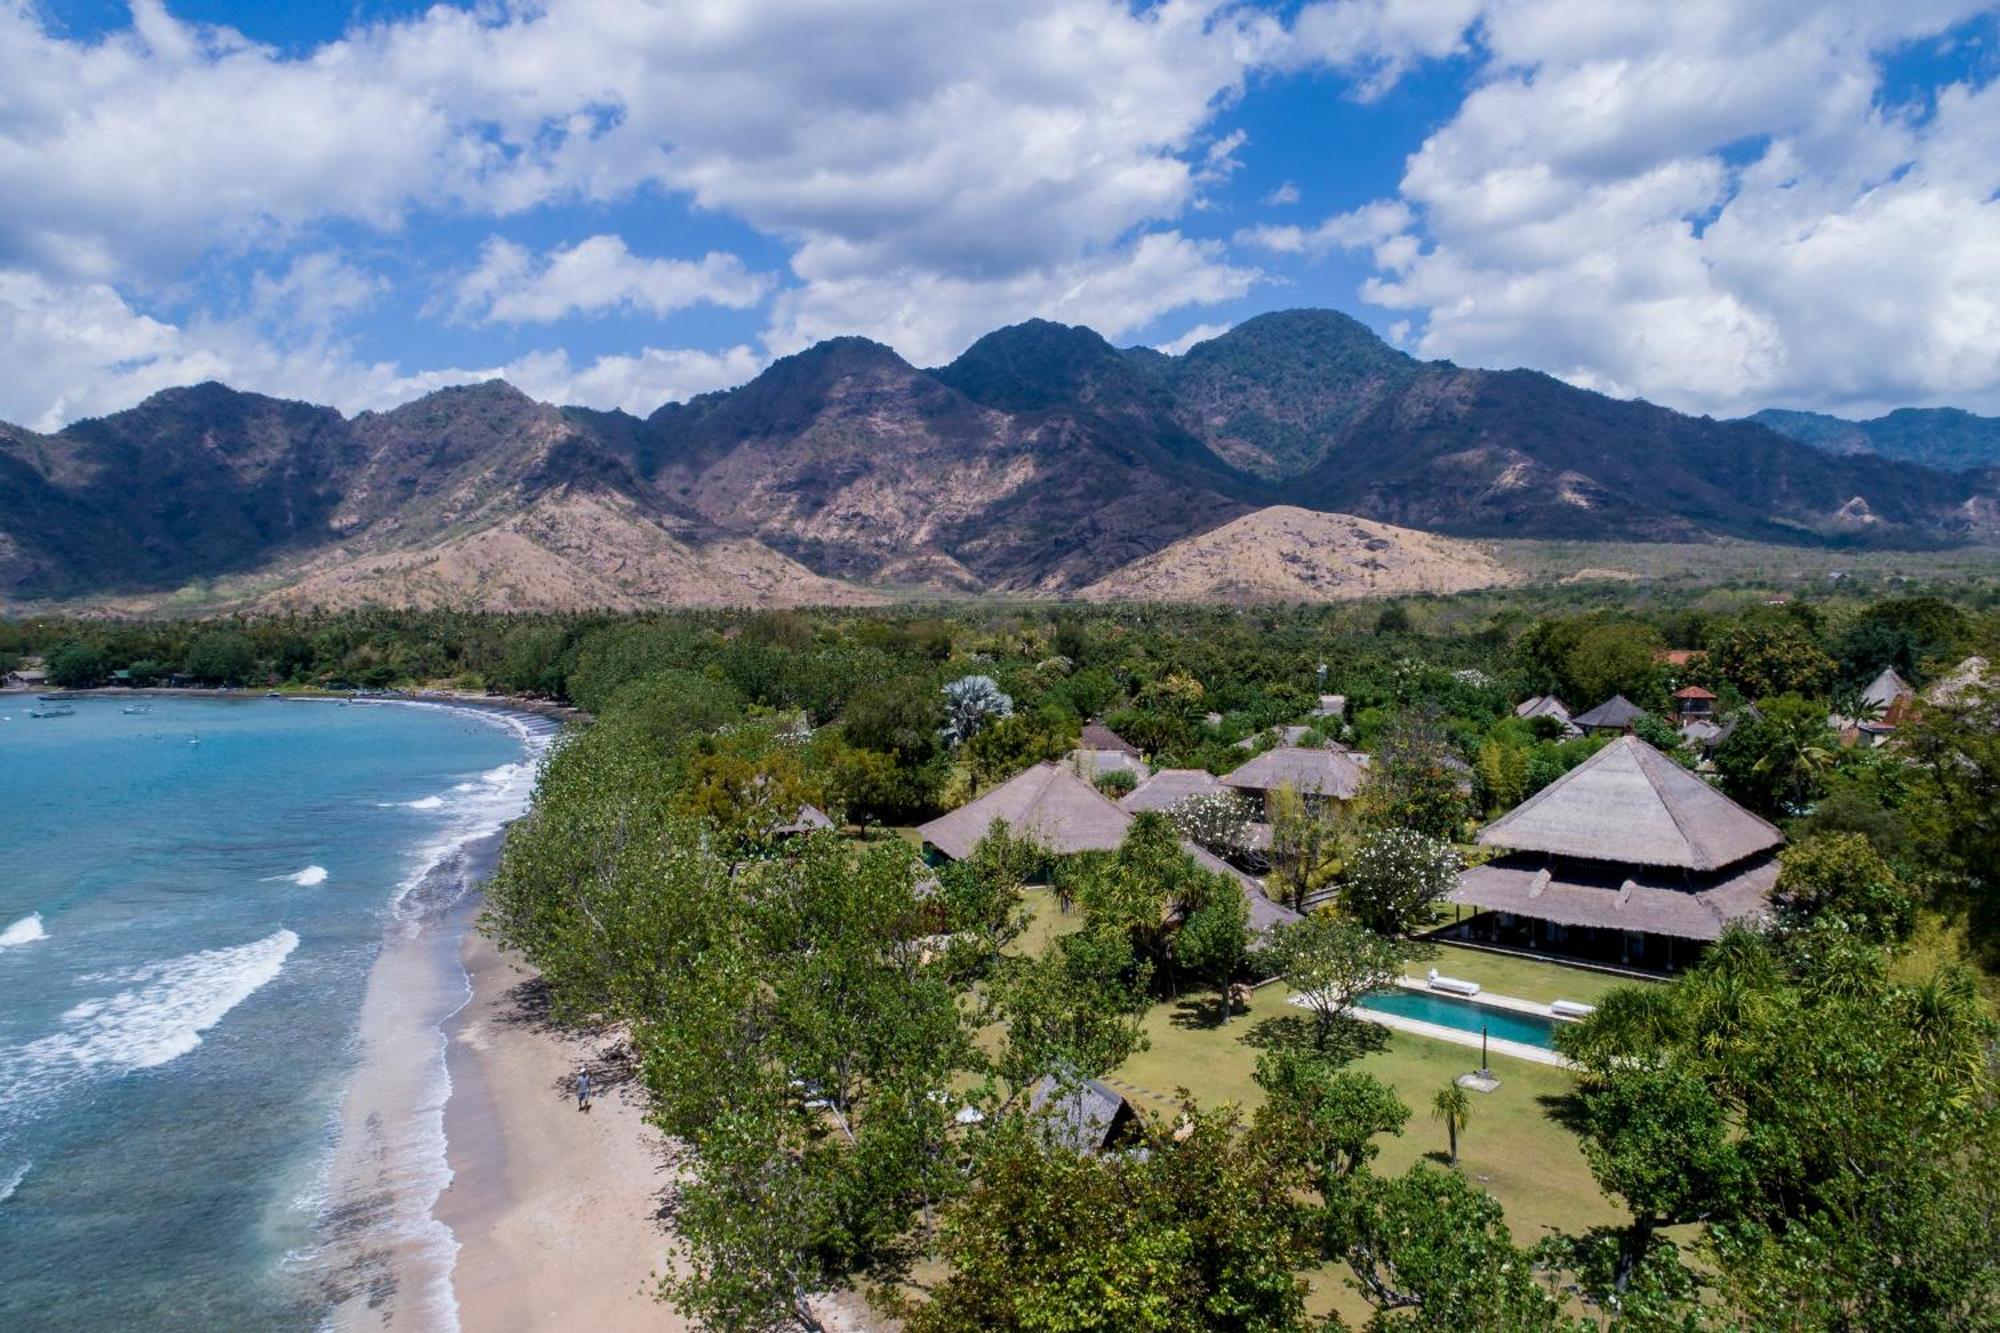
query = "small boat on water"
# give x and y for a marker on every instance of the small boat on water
(135, 710)
(57, 710)
(59, 697)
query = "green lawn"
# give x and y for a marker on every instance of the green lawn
(1512, 1147)
(1522, 978)
(1046, 921)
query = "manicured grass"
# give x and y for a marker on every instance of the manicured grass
(1513, 1147)
(1046, 921)
(1522, 978)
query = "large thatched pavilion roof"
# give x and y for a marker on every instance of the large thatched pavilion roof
(1630, 804)
(1047, 803)
(1168, 788)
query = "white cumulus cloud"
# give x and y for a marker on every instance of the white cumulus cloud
(1710, 204)
(512, 286)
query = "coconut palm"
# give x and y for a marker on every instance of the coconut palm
(1452, 1106)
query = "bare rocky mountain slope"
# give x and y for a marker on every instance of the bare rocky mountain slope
(1041, 461)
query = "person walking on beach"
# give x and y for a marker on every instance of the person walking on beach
(582, 1088)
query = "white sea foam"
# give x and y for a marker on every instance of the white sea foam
(309, 878)
(25, 931)
(406, 1147)
(12, 1181)
(426, 803)
(478, 809)
(160, 1016)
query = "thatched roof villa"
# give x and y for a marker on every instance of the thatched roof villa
(1086, 1117)
(1318, 771)
(1615, 714)
(1065, 814)
(1168, 788)
(1547, 705)
(1627, 858)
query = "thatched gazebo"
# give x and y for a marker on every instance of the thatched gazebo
(1615, 714)
(1628, 858)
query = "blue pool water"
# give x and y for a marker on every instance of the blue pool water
(1500, 1024)
(191, 900)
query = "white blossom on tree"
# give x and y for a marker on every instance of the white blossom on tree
(1395, 878)
(1218, 821)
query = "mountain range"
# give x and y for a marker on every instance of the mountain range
(1938, 437)
(1289, 457)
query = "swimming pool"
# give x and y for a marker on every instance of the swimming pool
(1500, 1024)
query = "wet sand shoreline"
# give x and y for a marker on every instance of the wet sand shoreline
(555, 1211)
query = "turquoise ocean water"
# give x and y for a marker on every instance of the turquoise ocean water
(191, 900)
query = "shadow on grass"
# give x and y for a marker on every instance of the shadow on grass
(1197, 1013)
(1566, 1109)
(1343, 1041)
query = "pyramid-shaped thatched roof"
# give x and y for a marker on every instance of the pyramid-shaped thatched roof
(1168, 788)
(1047, 803)
(1065, 814)
(1097, 736)
(1617, 711)
(1629, 803)
(1310, 772)
(1887, 688)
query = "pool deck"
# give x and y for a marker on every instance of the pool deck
(1511, 1003)
(1417, 1027)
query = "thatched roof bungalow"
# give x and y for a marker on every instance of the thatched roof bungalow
(1168, 788)
(1615, 714)
(1097, 736)
(1100, 750)
(809, 819)
(1047, 803)
(1086, 1117)
(1628, 857)
(1547, 705)
(1323, 772)
(1064, 814)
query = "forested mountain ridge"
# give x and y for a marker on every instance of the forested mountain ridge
(1042, 460)
(1938, 437)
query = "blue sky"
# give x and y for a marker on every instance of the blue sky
(1712, 204)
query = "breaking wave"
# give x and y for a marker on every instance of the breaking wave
(25, 931)
(160, 1016)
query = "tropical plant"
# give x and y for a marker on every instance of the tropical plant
(970, 702)
(1454, 1108)
(1396, 878)
(1332, 962)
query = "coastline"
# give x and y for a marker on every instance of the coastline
(385, 1258)
(545, 709)
(555, 1212)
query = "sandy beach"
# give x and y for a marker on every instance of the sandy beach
(554, 1211)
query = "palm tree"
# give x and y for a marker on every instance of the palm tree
(1452, 1106)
